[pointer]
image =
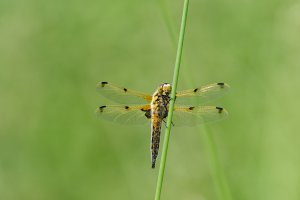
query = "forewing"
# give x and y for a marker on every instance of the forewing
(122, 95)
(204, 93)
(125, 114)
(189, 116)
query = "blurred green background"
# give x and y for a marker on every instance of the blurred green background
(52, 54)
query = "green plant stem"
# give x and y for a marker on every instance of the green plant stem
(221, 185)
(171, 106)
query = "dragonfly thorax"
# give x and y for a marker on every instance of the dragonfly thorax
(165, 89)
(160, 101)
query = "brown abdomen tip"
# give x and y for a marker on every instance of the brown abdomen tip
(153, 165)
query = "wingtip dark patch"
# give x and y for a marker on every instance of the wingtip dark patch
(220, 110)
(101, 108)
(221, 85)
(104, 83)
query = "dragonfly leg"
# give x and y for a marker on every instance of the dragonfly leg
(166, 123)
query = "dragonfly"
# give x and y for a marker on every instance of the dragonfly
(139, 108)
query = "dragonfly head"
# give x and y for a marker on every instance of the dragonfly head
(165, 88)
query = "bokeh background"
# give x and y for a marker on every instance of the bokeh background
(52, 54)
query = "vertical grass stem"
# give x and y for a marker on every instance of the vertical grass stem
(171, 106)
(220, 181)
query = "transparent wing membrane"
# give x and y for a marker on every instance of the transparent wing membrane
(122, 95)
(140, 114)
(124, 114)
(189, 115)
(204, 93)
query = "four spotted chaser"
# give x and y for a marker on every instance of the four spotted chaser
(132, 111)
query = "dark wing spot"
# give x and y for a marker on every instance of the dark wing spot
(147, 113)
(126, 107)
(103, 83)
(195, 90)
(101, 108)
(125, 89)
(221, 85)
(191, 108)
(220, 109)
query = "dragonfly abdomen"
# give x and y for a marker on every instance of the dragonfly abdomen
(155, 137)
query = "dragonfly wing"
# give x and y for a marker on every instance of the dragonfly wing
(189, 115)
(204, 93)
(125, 114)
(122, 95)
